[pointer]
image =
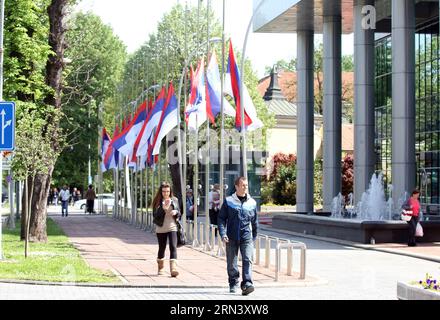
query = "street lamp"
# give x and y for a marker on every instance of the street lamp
(243, 135)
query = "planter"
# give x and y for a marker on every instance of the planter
(413, 292)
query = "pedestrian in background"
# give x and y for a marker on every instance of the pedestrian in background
(413, 205)
(55, 196)
(165, 214)
(214, 205)
(65, 197)
(189, 204)
(237, 224)
(90, 198)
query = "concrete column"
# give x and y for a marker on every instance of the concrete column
(332, 108)
(403, 97)
(364, 154)
(305, 106)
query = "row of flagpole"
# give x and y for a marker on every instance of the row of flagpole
(236, 90)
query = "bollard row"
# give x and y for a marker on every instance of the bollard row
(196, 237)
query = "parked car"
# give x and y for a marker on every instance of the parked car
(104, 198)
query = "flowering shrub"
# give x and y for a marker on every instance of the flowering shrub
(430, 284)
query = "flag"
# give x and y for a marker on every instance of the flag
(168, 121)
(151, 123)
(195, 113)
(213, 92)
(125, 140)
(232, 87)
(105, 143)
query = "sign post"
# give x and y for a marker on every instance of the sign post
(7, 143)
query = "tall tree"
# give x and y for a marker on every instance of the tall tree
(97, 57)
(56, 11)
(33, 54)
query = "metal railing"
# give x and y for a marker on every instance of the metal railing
(196, 238)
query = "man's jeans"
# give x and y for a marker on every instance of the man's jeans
(64, 206)
(247, 249)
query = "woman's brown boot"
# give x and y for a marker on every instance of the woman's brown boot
(173, 268)
(160, 266)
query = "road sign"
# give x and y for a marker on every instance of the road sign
(7, 126)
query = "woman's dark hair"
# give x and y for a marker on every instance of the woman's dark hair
(415, 191)
(158, 197)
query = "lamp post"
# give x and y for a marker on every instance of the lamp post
(243, 134)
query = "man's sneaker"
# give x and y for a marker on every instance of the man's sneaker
(247, 290)
(233, 289)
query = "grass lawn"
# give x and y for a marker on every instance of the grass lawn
(56, 261)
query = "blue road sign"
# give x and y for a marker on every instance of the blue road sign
(7, 126)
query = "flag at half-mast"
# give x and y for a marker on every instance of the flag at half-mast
(125, 140)
(169, 120)
(105, 143)
(151, 124)
(195, 112)
(213, 92)
(232, 87)
(111, 156)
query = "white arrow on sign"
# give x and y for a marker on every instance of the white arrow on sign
(4, 125)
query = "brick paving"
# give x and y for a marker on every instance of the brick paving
(129, 252)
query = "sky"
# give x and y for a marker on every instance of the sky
(134, 20)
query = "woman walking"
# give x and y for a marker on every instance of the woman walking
(166, 212)
(413, 204)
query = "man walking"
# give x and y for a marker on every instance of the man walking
(64, 196)
(90, 198)
(237, 224)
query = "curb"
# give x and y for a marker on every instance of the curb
(353, 244)
(134, 286)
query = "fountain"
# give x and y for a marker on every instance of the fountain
(372, 206)
(374, 219)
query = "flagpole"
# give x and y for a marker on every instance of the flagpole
(196, 186)
(243, 133)
(182, 150)
(222, 126)
(207, 160)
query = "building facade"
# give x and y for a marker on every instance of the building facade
(396, 91)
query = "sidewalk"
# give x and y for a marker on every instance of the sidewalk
(109, 244)
(424, 250)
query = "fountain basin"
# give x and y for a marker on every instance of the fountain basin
(395, 231)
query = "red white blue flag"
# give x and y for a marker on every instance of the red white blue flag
(232, 87)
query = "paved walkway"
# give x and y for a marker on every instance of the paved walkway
(130, 253)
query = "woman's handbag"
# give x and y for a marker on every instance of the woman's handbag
(406, 215)
(419, 230)
(181, 241)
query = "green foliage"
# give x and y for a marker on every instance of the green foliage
(33, 152)
(56, 260)
(26, 45)
(318, 182)
(280, 185)
(97, 60)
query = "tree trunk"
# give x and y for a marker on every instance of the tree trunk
(38, 232)
(54, 69)
(55, 63)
